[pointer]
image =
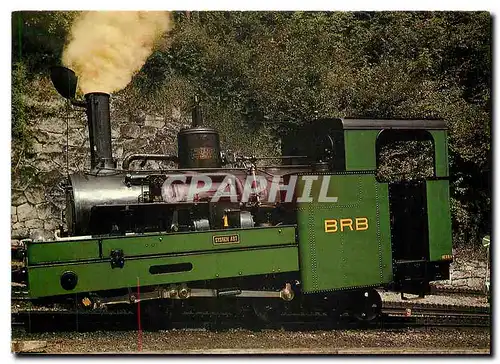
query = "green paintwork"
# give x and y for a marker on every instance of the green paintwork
(439, 219)
(44, 280)
(273, 249)
(156, 244)
(45, 252)
(360, 151)
(328, 261)
(345, 259)
(441, 152)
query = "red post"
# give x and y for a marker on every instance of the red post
(139, 328)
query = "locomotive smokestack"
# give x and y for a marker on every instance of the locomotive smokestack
(97, 109)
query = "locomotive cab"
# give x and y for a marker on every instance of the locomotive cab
(387, 224)
(418, 204)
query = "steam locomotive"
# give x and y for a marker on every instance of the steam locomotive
(319, 230)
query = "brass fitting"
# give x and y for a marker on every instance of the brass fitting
(287, 293)
(184, 293)
(173, 293)
(86, 302)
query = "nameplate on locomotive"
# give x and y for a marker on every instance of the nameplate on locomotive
(226, 239)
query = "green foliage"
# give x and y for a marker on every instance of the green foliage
(37, 44)
(19, 89)
(21, 134)
(406, 160)
(38, 38)
(257, 69)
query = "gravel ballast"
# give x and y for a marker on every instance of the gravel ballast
(236, 340)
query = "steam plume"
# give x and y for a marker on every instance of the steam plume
(106, 48)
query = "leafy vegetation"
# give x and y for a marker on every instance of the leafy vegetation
(37, 43)
(255, 70)
(20, 130)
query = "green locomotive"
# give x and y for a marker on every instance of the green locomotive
(319, 230)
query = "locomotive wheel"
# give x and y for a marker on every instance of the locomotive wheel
(367, 305)
(266, 310)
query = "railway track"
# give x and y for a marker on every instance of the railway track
(438, 315)
(394, 314)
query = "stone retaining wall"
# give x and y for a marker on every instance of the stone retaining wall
(467, 272)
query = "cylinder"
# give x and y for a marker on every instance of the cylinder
(97, 105)
(84, 192)
(199, 148)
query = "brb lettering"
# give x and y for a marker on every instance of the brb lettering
(347, 224)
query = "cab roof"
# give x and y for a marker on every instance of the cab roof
(380, 124)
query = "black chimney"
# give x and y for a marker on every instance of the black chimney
(97, 109)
